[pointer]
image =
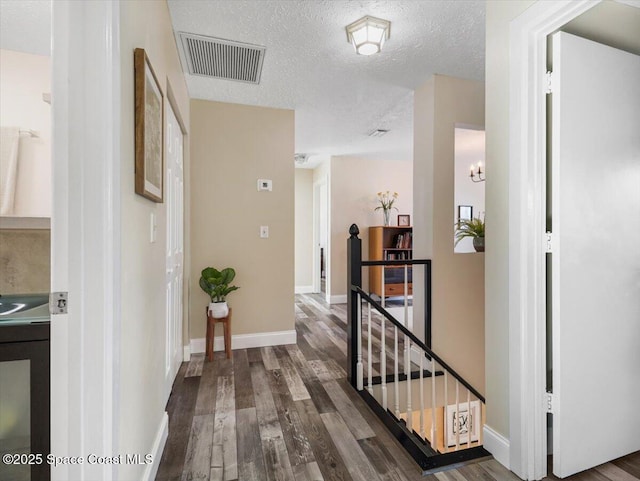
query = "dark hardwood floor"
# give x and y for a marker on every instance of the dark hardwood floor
(288, 413)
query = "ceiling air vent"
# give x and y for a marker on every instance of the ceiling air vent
(378, 132)
(223, 59)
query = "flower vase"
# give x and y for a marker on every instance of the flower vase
(386, 213)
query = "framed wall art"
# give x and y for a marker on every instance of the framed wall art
(465, 212)
(404, 220)
(462, 423)
(149, 121)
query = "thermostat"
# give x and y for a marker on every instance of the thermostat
(265, 184)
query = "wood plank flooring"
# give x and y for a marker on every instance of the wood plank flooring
(288, 413)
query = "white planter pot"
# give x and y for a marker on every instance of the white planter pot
(218, 310)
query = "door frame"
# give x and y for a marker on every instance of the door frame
(317, 208)
(85, 235)
(527, 216)
(172, 105)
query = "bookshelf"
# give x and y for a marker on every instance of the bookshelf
(389, 243)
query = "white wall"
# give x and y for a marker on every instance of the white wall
(355, 183)
(499, 15)
(142, 345)
(469, 149)
(25, 77)
(304, 230)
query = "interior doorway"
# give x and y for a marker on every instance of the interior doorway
(595, 300)
(321, 256)
(174, 158)
(526, 454)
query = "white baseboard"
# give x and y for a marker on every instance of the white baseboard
(245, 341)
(156, 450)
(304, 289)
(339, 299)
(497, 445)
(186, 353)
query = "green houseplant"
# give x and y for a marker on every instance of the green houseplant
(216, 284)
(473, 228)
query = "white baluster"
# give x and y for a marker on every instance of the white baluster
(369, 352)
(409, 413)
(359, 367)
(469, 424)
(383, 362)
(382, 300)
(396, 376)
(446, 403)
(481, 424)
(456, 419)
(434, 429)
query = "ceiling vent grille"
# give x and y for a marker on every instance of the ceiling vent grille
(223, 59)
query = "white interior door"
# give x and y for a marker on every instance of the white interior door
(596, 254)
(175, 246)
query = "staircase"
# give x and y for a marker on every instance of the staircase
(433, 412)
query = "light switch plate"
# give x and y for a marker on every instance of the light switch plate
(153, 228)
(264, 231)
(265, 184)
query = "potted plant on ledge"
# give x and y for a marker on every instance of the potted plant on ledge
(473, 228)
(216, 284)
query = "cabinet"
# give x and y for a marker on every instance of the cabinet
(390, 243)
(24, 396)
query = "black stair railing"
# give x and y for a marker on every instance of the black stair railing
(433, 411)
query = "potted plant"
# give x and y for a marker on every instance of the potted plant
(386, 200)
(473, 228)
(216, 284)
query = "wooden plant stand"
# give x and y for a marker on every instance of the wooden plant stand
(211, 327)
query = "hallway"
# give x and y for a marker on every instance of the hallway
(288, 413)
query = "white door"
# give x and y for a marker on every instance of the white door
(175, 247)
(596, 255)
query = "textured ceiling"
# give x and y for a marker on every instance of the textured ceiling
(340, 97)
(25, 26)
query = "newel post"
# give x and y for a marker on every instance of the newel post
(354, 278)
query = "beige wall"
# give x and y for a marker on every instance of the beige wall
(304, 228)
(25, 77)
(25, 261)
(142, 350)
(457, 279)
(353, 189)
(499, 15)
(232, 146)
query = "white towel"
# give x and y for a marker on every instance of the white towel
(9, 141)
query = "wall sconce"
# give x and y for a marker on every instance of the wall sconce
(477, 175)
(368, 34)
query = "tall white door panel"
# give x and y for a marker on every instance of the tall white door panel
(175, 247)
(596, 255)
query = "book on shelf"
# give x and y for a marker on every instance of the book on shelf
(404, 241)
(398, 256)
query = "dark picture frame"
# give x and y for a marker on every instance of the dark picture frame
(465, 212)
(149, 130)
(404, 220)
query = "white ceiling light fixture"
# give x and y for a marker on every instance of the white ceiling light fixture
(368, 34)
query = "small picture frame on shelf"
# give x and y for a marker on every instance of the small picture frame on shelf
(465, 212)
(404, 220)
